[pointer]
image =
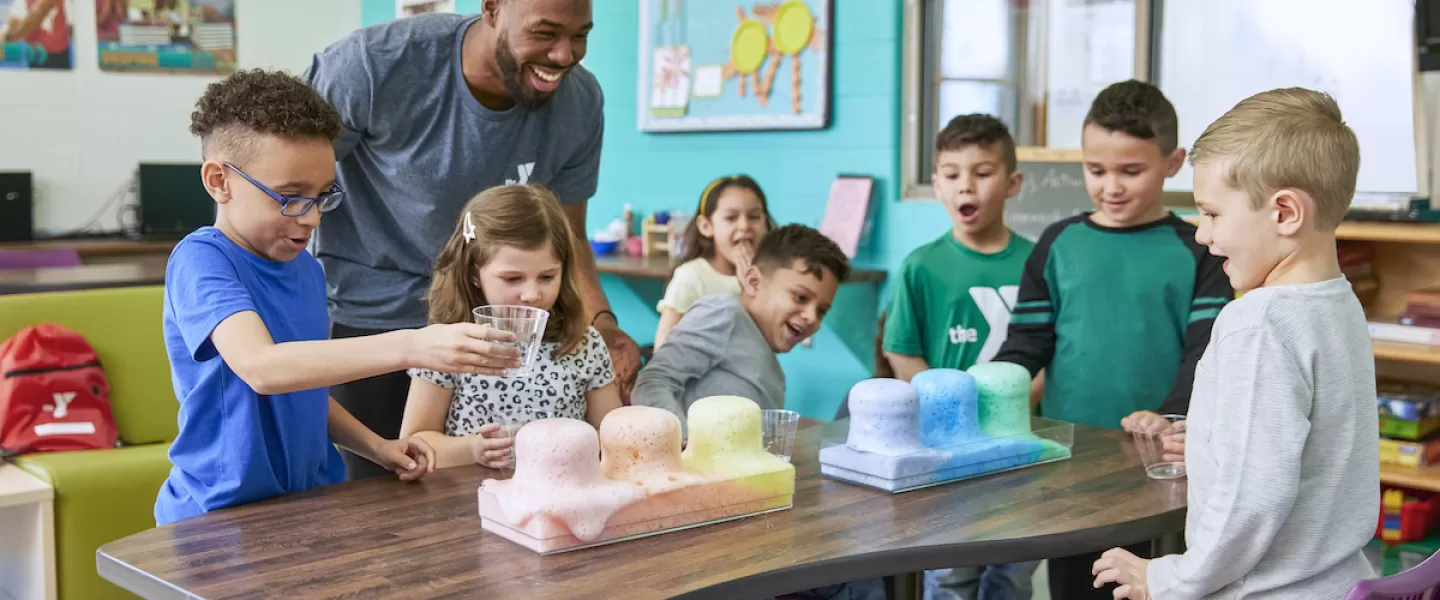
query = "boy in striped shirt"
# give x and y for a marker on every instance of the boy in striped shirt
(1116, 304)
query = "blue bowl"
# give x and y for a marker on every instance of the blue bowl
(603, 248)
(662, 217)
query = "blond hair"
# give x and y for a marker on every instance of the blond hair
(1287, 138)
(527, 217)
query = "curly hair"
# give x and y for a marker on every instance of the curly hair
(782, 247)
(233, 110)
(976, 130)
(1137, 109)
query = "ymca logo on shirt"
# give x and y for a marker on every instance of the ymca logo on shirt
(995, 306)
(524, 170)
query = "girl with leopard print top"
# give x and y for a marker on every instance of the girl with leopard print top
(512, 246)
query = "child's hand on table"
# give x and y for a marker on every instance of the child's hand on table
(492, 447)
(1174, 441)
(1144, 421)
(1119, 566)
(411, 458)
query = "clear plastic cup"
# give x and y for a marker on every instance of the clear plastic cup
(510, 422)
(528, 325)
(778, 426)
(1152, 449)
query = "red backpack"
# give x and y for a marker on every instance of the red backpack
(53, 393)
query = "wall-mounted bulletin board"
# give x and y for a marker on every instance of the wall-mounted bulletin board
(723, 66)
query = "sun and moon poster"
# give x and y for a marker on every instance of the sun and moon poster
(721, 66)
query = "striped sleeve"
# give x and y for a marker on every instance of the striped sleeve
(1212, 292)
(1030, 340)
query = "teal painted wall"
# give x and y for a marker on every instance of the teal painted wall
(379, 11)
(668, 171)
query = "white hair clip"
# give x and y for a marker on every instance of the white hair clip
(469, 230)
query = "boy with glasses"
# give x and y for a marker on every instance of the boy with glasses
(245, 318)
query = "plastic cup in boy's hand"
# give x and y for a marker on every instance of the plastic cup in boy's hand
(525, 323)
(463, 348)
(1160, 464)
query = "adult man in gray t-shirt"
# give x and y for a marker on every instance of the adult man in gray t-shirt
(437, 108)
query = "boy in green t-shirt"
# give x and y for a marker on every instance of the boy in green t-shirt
(952, 303)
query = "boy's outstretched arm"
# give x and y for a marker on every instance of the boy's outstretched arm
(1264, 401)
(1212, 292)
(693, 349)
(245, 344)
(1030, 341)
(410, 458)
(214, 313)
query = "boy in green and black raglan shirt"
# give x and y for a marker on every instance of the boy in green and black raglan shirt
(1116, 304)
(952, 303)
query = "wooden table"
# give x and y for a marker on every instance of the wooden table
(383, 538)
(84, 277)
(658, 267)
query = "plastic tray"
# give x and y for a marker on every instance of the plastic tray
(696, 505)
(1048, 441)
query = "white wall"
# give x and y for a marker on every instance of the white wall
(82, 132)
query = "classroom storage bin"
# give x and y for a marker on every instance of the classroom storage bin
(1406, 516)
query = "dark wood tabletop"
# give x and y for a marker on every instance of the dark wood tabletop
(658, 267)
(381, 538)
(83, 277)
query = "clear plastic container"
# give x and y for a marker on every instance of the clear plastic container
(696, 505)
(574, 489)
(917, 467)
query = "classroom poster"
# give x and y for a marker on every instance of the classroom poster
(194, 37)
(36, 34)
(718, 66)
(410, 8)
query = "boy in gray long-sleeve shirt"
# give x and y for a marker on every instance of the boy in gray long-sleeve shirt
(726, 346)
(1281, 451)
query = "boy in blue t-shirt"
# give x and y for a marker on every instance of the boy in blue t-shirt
(245, 317)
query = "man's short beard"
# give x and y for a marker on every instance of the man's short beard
(510, 74)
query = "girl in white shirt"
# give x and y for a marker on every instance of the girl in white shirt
(731, 219)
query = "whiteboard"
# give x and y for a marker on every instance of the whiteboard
(1215, 53)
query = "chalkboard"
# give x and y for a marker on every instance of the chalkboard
(1053, 190)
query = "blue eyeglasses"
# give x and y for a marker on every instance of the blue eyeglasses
(295, 206)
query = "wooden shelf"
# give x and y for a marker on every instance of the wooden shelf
(1407, 352)
(1412, 233)
(1426, 478)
